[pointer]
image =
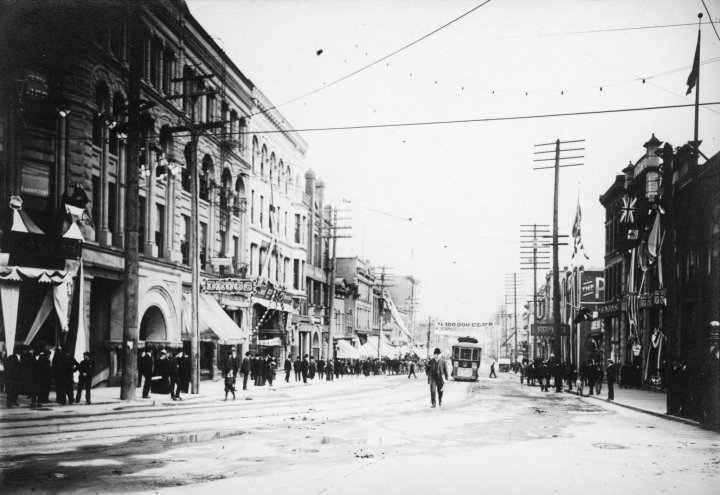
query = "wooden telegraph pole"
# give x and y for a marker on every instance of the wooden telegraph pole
(557, 346)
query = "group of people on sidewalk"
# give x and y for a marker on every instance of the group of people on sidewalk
(32, 373)
(591, 375)
(164, 372)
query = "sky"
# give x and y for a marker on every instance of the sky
(445, 202)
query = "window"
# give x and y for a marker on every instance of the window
(223, 243)
(203, 244)
(184, 242)
(236, 249)
(168, 71)
(253, 259)
(298, 226)
(262, 207)
(160, 229)
(296, 274)
(252, 206)
(96, 202)
(285, 234)
(141, 224)
(112, 207)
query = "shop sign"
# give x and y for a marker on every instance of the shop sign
(35, 85)
(592, 287)
(546, 330)
(38, 250)
(237, 286)
(609, 309)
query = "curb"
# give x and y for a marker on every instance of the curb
(677, 419)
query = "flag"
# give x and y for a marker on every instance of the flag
(577, 234)
(693, 77)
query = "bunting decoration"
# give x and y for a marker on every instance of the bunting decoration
(577, 234)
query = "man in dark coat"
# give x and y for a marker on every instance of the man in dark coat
(13, 378)
(312, 368)
(611, 376)
(66, 366)
(28, 374)
(321, 368)
(185, 371)
(145, 370)
(304, 367)
(297, 368)
(86, 370)
(330, 368)
(437, 374)
(232, 364)
(592, 376)
(245, 368)
(162, 369)
(288, 368)
(174, 377)
(44, 370)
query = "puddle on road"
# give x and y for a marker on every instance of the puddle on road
(197, 437)
(612, 446)
(90, 462)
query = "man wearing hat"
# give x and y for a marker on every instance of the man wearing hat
(611, 375)
(437, 374)
(86, 368)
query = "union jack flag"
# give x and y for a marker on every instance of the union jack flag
(627, 212)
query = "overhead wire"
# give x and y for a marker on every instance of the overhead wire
(711, 21)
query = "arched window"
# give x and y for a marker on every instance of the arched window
(254, 152)
(240, 204)
(263, 158)
(206, 177)
(185, 178)
(226, 189)
(102, 105)
(118, 107)
(288, 179)
(272, 167)
(281, 174)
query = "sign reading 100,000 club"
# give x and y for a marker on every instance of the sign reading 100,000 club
(227, 285)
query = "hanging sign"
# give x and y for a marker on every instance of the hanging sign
(238, 286)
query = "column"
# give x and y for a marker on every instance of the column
(119, 234)
(104, 237)
(150, 207)
(170, 253)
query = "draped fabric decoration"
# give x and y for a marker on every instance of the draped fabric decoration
(59, 282)
(81, 341)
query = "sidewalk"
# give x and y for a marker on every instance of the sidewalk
(102, 397)
(644, 401)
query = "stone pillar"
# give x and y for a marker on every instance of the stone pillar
(150, 248)
(169, 253)
(119, 234)
(104, 237)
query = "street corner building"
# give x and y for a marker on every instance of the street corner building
(67, 122)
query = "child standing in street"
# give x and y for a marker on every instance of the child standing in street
(230, 385)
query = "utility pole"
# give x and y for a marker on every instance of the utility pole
(382, 307)
(557, 345)
(132, 197)
(195, 130)
(332, 227)
(534, 256)
(512, 278)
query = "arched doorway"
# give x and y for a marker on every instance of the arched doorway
(152, 326)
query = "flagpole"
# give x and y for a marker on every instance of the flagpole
(696, 143)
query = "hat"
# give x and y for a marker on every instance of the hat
(437, 350)
(164, 351)
(610, 360)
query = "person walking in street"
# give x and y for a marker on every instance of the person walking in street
(185, 371)
(232, 363)
(591, 377)
(312, 368)
(412, 370)
(304, 368)
(174, 376)
(229, 385)
(321, 368)
(13, 378)
(329, 368)
(44, 377)
(611, 375)
(145, 370)
(64, 366)
(245, 368)
(288, 368)
(437, 374)
(599, 379)
(297, 368)
(162, 369)
(270, 366)
(492, 370)
(86, 370)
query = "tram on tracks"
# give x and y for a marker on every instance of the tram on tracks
(466, 355)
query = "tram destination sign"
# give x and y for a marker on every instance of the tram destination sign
(238, 286)
(546, 330)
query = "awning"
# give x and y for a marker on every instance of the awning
(276, 305)
(274, 342)
(213, 322)
(345, 350)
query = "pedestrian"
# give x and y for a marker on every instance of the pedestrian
(312, 368)
(304, 368)
(28, 374)
(145, 371)
(162, 369)
(44, 377)
(492, 370)
(611, 375)
(599, 378)
(412, 370)
(288, 368)
(297, 368)
(437, 374)
(583, 378)
(232, 363)
(330, 367)
(64, 366)
(176, 362)
(185, 371)
(13, 378)
(229, 385)
(321, 368)
(270, 369)
(86, 370)
(245, 368)
(591, 377)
